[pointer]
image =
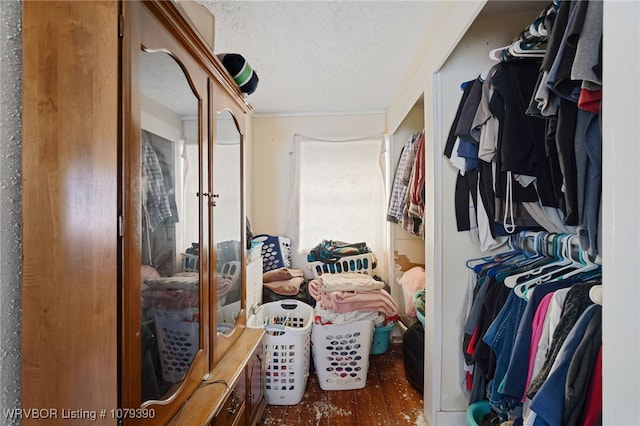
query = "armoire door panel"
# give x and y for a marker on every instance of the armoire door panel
(165, 243)
(69, 207)
(120, 241)
(228, 213)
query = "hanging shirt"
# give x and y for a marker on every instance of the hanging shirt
(400, 181)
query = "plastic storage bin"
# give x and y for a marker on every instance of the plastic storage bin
(276, 251)
(360, 263)
(285, 349)
(381, 338)
(341, 354)
(476, 411)
(178, 334)
(190, 262)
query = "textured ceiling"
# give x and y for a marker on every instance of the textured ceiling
(314, 56)
(322, 56)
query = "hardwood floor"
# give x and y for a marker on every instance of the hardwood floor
(388, 399)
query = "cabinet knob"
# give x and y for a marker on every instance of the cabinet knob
(234, 406)
(210, 195)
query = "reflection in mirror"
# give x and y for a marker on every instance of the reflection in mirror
(228, 223)
(169, 228)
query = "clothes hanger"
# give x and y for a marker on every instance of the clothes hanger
(517, 50)
(483, 260)
(505, 264)
(496, 54)
(523, 269)
(527, 42)
(557, 260)
(514, 250)
(570, 264)
(501, 264)
(587, 265)
(586, 270)
(539, 251)
(537, 258)
(554, 273)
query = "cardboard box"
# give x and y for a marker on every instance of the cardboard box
(201, 18)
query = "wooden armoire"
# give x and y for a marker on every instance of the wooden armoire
(134, 246)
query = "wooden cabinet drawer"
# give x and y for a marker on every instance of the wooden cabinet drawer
(233, 411)
(255, 386)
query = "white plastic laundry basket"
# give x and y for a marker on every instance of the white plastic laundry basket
(285, 349)
(341, 354)
(360, 263)
(178, 334)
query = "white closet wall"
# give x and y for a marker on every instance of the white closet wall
(620, 212)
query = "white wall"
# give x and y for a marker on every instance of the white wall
(271, 164)
(10, 203)
(620, 209)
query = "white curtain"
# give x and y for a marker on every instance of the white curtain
(337, 193)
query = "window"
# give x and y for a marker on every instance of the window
(340, 187)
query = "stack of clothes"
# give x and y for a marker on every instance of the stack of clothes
(348, 297)
(285, 283)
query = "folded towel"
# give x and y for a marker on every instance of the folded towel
(281, 274)
(289, 287)
(350, 281)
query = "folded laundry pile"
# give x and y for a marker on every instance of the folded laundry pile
(283, 281)
(346, 297)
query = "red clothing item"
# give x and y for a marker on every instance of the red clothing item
(471, 347)
(590, 100)
(592, 415)
(415, 190)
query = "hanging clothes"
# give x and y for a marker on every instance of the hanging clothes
(532, 316)
(413, 214)
(155, 199)
(406, 204)
(527, 151)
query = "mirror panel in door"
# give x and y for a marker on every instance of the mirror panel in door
(228, 220)
(170, 232)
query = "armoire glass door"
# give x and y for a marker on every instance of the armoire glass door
(227, 221)
(166, 217)
(170, 232)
